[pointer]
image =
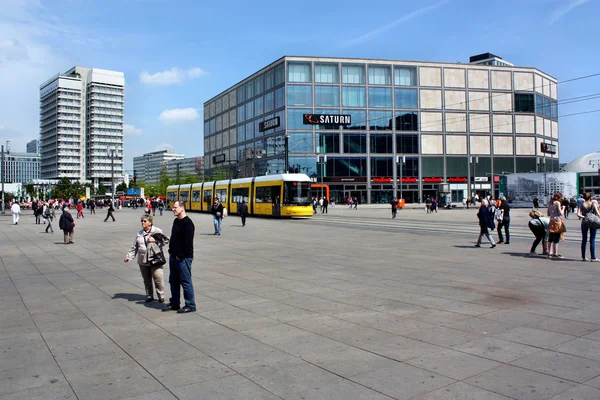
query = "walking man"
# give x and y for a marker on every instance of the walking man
(16, 212)
(181, 254)
(49, 215)
(325, 204)
(243, 210)
(394, 204)
(109, 213)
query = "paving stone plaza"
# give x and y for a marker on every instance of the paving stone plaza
(348, 305)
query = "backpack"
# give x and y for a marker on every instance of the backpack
(498, 214)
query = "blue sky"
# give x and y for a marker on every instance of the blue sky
(178, 54)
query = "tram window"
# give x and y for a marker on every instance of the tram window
(196, 195)
(222, 195)
(183, 196)
(208, 196)
(171, 196)
(296, 193)
(269, 194)
(237, 195)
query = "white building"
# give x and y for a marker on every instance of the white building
(188, 166)
(81, 125)
(33, 146)
(21, 167)
(149, 166)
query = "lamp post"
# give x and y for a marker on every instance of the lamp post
(322, 161)
(112, 174)
(473, 161)
(400, 160)
(542, 161)
(3, 209)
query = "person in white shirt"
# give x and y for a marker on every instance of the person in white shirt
(16, 212)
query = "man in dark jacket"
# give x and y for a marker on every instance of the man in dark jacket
(394, 204)
(67, 225)
(109, 213)
(181, 254)
(486, 220)
(243, 210)
(217, 212)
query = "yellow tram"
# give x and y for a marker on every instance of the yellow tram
(284, 195)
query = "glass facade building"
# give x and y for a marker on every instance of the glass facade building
(421, 127)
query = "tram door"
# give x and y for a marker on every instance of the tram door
(276, 195)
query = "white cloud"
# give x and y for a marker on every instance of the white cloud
(132, 130)
(173, 75)
(179, 115)
(163, 146)
(392, 25)
(565, 9)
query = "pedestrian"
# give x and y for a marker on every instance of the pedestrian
(504, 219)
(37, 213)
(434, 205)
(16, 212)
(573, 204)
(566, 207)
(325, 204)
(161, 206)
(588, 207)
(143, 241)
(243, 210)
(556, 225)
(49, 216)
(536, 202)
(314, 204)
(428, 205)
(217, 212)
(109, 212)
(349, 201)
(67, 225)
(181, 255)
(394, 204)
(80, 209)
(92, 206)
(321, 203)
(148, 206)
(355, 202)
(538, 224)
(486, 221)
(154, 206)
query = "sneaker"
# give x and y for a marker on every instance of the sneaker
(149, 299)
(185, 310)
(532, 254)
(506, 242)
(500, 241)
(477, 245)
(558, 256)
(594, 260)
(170, 307)
(493, 246)
(585, 259)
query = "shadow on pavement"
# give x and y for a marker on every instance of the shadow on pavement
(139, 299)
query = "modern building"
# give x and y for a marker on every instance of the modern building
(33, 146)
(188, 166)
(21, 167)
(432, 126)
(81, 126)
(150, 166)
(588, 167)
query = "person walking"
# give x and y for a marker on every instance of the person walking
(109, 211)
(243, 210)
(92, 206)
(325, 204)
(15, 209)
(143, 240)
(588, 207)
(49, 216)
(355, 202)
(555, 212)
(37, 213)
(67, 225)
(486, 221)
(428, 205)
(536, 202)
(217, 212)
(161, 206)
(538, 224)
(394, 204)
(80, 209)
(504, 219)
(565, 204)
(181, 255)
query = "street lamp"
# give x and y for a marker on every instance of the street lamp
(473, 161)
(400, 160)
(322, 161)
(3, 209)
(540, 161)
(112, 153)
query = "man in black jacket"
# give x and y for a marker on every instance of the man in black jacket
(243, 210)
(217, 212)
(67, 225)
(181, 254)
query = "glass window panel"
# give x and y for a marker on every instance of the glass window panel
(380, 97)
(407, 121)
(327, 96)
(358, 118)
(294, 116)
(380, 120)
(353, 96)
(405, 76)
(300, 143)
(382, 166)
(241, 94)
(241, 136)
(327, 143)
(504, 165)
(281, 115)
(299, 95)
(379, 75)
(326, 111)
(269, 79)
(433, 166)
(279, 98)
(299, 72)
(279, 74)
(381, 143)
(240, 114)
(249, 131)
(269, 102)
(524, 102)
(456, 166)
(406, 98)
(524, 164)
(249, 89)
(258, 85)
(347, 166)
(326, 73)
(355, 142)
(407, 144)
(258, 106)
(304, 165)
(353, 74)
(250, 110)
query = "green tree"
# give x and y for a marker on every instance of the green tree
(101, 190)
(67, 189)
(28, 189)
(121, 187)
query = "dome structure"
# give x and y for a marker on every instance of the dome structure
(588, 163)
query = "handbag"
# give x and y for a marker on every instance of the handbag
(158, 260)
(556, 226)
(591, 220)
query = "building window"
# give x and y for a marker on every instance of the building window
(258, 106)
(405, 76)
(358, 118)
(299, 72)
(327, 96)
(269, 102)
(380, 120)
(353, 74)
(295, 118)
(241, 94)
(380, 97)
(249, 131)
(407, 144)
(406, 98)
(432, 166)
(299, 95)
(300, 143)
(407, 121)
(279, 74)
(347, 166)
(279, 98)
(249, 110)
(381, 143)
(258, 85)
(249, 89)
(353, 96)
(379, 75)
(355, 143)
(269, 79)
(241, 137)
(524, 102)
(326, 73)
(327, 143)
(382, 166)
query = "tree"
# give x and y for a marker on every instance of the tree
(101, 190)
(66, 189)
(121, 187)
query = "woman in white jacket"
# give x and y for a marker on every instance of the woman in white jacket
(149, 272)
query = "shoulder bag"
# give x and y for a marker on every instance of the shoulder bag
(556, 226)
(592, 220)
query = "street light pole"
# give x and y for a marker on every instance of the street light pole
(400, 160)
(3, 210)
(286, 155)
(322, 161)
(112, 176)
(474, 161)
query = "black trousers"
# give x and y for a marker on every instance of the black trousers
(539, 232)
(506, 225)
(243, 220)
(109, 214)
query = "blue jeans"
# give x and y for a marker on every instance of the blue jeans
(217, 221)
(181, 275)
(584, 236)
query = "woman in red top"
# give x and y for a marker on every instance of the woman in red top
(80, 209)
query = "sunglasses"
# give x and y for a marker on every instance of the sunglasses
(144, 220)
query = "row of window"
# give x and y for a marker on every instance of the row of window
(351, 96)
(352, 74)
(541, 105)
(261, 83)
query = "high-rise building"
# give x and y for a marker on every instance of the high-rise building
(33, 146)
(387, 127)
(188, 166)
(81, 126)
(21, 167)
(150, 166)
